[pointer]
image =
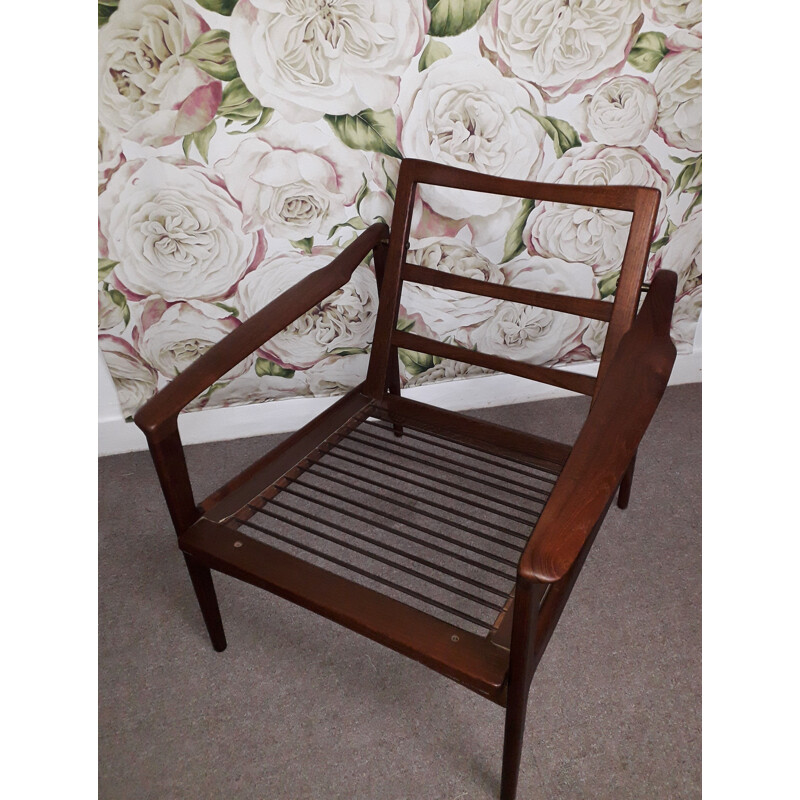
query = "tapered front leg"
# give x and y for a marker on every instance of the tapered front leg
(207, 598)
(516, 709)
(527, 599)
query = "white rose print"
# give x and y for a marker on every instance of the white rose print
(561, 47)
(293, 180)
(316, 57)
(529, 333)
(175, 230)
(346, 319)
(172, 335)
(594, 236)
(462, 111)
(149, 92)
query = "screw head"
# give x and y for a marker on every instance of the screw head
(454, 638)
(237, 544)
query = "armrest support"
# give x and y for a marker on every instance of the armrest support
(634, 384)
(157, 417)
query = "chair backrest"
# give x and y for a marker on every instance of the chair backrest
(642, 202)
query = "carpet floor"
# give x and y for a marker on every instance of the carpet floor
(298, 708)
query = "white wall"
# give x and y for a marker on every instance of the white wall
(219, 424)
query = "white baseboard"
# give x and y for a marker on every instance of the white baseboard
(220, 424)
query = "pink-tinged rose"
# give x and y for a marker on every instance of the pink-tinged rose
(446, 370)
(681, 40)
(621, 112)
(309, 58)
(561, 48)
(172, 335)
(293, 180)
(252, 388)
(685, 318)
(198, 109)
(345, 319)
(594, 337)
(589, 235)
(109, 314)
(679, 87)
(109, 156)
(337, 374)
(463, 112)
(376, 207)
(176, 231)
(683, 253)
(134, 379)
(150, 93)
(447, 313)
(529, 333)
(682, 13)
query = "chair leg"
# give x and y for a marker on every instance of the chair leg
(516, 710)
(207, 597)
(625, 485)
(393, 384)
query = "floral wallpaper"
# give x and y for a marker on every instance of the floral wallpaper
(242, 143)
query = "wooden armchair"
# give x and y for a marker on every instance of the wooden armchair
(471, 578)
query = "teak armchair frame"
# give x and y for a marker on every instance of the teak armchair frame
(348, 461)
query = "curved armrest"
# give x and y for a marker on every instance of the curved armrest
(159, 415)
(635, 381)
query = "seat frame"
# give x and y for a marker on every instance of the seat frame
(634, 369)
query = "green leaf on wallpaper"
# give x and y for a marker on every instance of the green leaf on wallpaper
(119, 300)
(434, 51)
(690, 178)
(564, 136)
(306, 245)
(451, 17)
(658, 244)
(648, 50)
(348, 351)
(105, 10)
(105, 267)
(391, 186)
(607, 285)
(362, 193)
(514, 245)
(696, 201)
(239, 105)
(211, 389)
(356, 223)
(367, 130)
(404, 324)
(234, 312)
(211, 52)
(266, 367)
(201, 140)
(224, 7)
(668, 231)
(416, 362)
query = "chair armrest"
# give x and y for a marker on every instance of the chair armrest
(158, 417)
(634, 384)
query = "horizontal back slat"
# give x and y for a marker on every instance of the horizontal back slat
(620, 198)
(583, 384)
(581, 306)
(643, 202)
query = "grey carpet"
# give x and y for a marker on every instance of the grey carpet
(298, 708)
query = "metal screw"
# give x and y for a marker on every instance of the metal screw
(237, 544)
(454, 638)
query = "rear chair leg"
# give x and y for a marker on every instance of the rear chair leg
(207, 597)
(625, 485)
(393, 384)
